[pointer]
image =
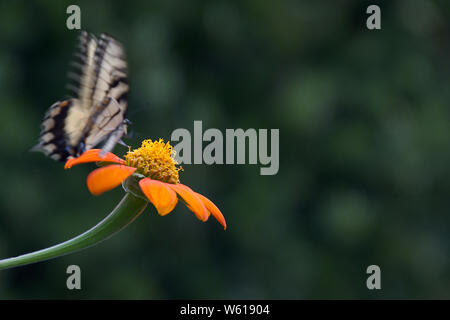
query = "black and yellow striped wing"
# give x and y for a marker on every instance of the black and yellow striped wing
(97, 112)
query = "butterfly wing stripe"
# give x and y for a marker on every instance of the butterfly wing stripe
(108, 121)
(119, 93)
(111, 67)
(88, 46)
(52, 137)
(114, 138)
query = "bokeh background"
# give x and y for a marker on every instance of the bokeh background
(364, 149)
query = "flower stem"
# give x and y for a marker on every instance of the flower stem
(128, 209)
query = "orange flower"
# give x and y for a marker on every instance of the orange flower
(154, 168)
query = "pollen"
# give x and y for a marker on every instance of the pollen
(155, 159)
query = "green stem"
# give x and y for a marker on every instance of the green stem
(128, 209)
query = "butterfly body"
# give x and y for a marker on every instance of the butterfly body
(97, 113)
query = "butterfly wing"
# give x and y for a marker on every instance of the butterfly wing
(52, 140)
(109, 120)
(102, 87)
(98, 110)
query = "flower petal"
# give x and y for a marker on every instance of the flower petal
(93, 155)
(163, 198)
(192, 200)
(213, 209)
(107, 178)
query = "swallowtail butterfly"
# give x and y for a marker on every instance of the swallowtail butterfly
(97, 112)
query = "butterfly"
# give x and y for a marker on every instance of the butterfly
(97, 112)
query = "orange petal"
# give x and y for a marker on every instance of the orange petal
(107, 178)
(163, 198)
(213, 209)
(193, 202)
(93, 155)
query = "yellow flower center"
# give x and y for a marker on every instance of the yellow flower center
(154, 159)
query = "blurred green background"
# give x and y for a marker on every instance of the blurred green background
(364, 149)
